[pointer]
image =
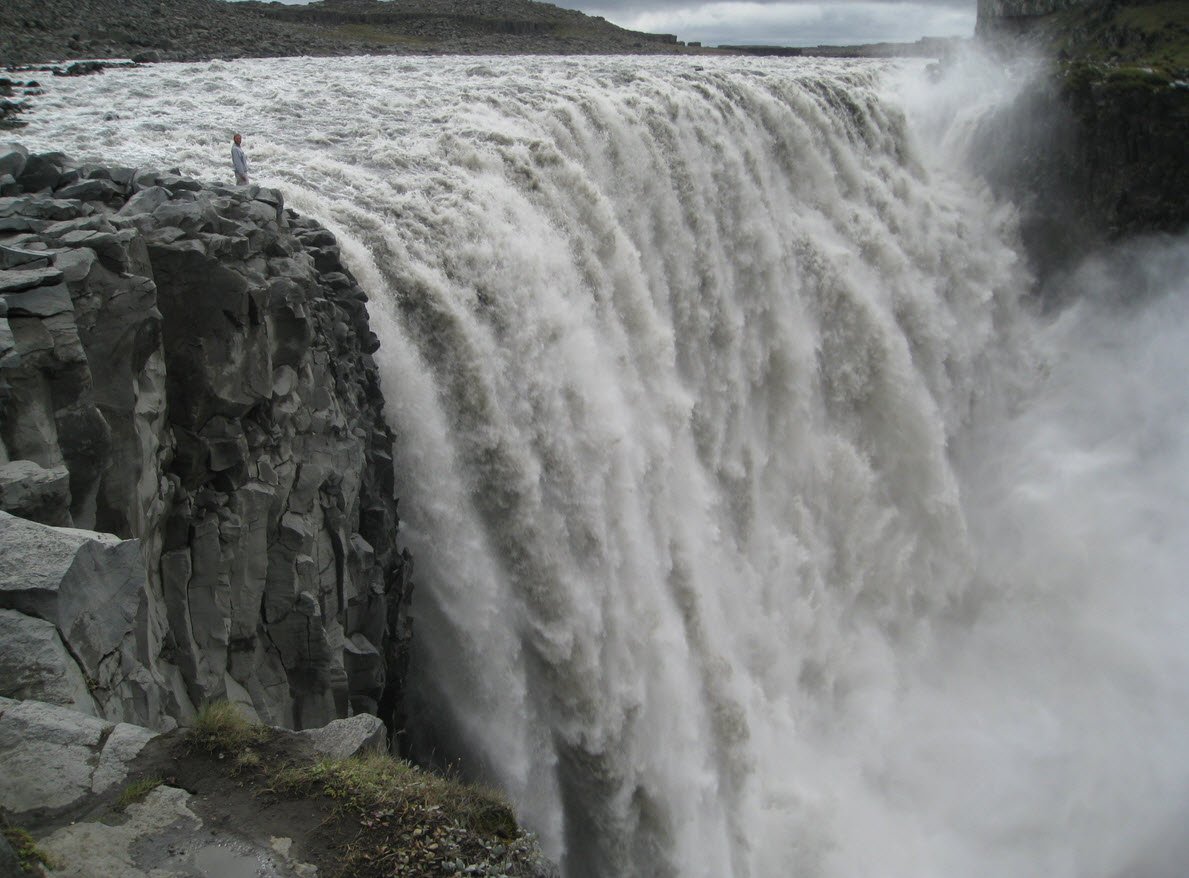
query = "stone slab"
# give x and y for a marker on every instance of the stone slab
(344, 738)
(48, 753)
(34, 664)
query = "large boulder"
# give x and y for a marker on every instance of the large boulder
(34, 664)
(55, 757)
(13, 157)
(93, 590)
(344, 738)
(35, 492)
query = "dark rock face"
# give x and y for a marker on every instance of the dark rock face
(188, 368)
(1091, 159)
(1017, 16)
(1097, 149)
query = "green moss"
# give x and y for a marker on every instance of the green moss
(31, 857)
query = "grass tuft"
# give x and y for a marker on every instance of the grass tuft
(221, 728)
(32, 858)
(137, 791)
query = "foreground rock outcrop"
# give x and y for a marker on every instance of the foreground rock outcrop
(192, 453)
(93, 799)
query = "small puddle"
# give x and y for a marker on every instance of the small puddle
(221, 862)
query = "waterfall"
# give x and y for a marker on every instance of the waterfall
(761, 527)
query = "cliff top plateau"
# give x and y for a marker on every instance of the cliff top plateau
(36, 31)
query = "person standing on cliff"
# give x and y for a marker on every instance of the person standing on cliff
(239, 162)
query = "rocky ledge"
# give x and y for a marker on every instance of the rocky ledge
(195, 473)
(81, 798)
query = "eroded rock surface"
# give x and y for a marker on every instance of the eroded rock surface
(186, 369)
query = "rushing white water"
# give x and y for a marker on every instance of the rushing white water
(760, 529)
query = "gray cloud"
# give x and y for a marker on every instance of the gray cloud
(788, 22)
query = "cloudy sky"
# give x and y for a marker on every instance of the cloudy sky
(786, 22)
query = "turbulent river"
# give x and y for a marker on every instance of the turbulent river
(763, 526)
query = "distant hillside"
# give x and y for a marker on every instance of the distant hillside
(34, 31)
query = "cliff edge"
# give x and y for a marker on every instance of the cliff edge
(195, 472)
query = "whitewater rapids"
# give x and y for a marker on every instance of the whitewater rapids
(762, 528)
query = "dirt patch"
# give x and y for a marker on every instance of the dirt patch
(239, 800)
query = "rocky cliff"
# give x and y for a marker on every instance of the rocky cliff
(1097, 148)
(194, 468)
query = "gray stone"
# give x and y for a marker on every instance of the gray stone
(56, 209)
(41, 172)
(122, 746)
(112, 247)
(21, 224)
(144, 201)
(14, 256)
(176, 183)
(344, 738)
(162, 836)
(75, 264)
(91, 190)
(94, 589)
(34, 562)
(189, 216)
(49, 755)
(40, 302)
(90, 849)
(38, 493)
(238, 695)
(13, 157)
(18, 280)
(98, 223)
(14, 205)
(35, 665)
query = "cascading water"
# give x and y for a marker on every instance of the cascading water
(761, 530)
